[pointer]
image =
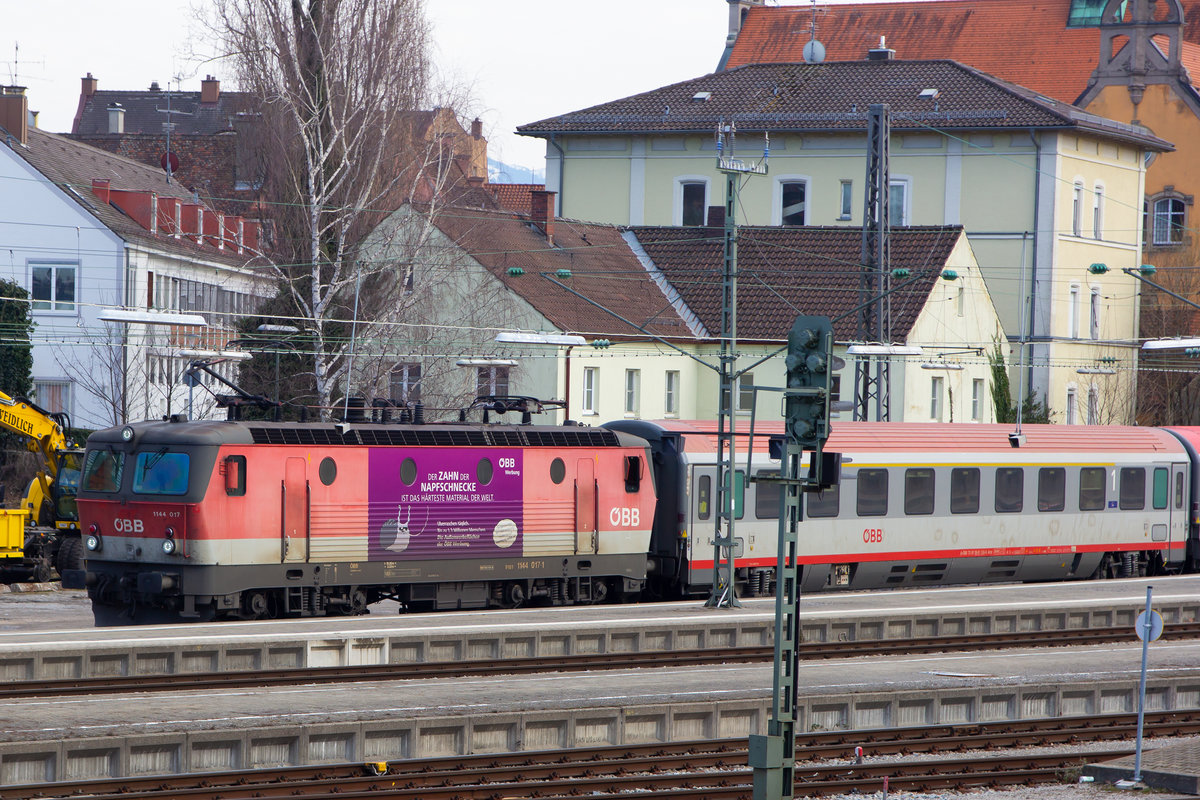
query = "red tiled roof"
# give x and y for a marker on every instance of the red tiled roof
(515, 196)
(789, 271)
(1026, 42)
(603, 268)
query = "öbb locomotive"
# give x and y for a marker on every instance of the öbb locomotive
(244, 520)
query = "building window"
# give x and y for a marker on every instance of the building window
(52, 285)
(977, 399)
(671, 398)
(1094, 314)
(54, 396)
(406, 383)
(935, 399)
(1073, 313)
(633, 390)
(1093, 406)
(1168, 221)
(745, 402)
(692, 201)
(1072, 406)
(847, 198)
(491, 381)
(898, 202)
(589, 390)
(1098, 213)
(961, 301)
(792, 196)
(1077, 210)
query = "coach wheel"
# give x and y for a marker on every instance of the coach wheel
(257, 605)
(514, 594)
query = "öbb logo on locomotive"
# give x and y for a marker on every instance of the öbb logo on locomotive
(295, 519)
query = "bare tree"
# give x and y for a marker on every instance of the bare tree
(1168, 384)
(342, 141)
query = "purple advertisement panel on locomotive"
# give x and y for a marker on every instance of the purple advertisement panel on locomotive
(445, 503)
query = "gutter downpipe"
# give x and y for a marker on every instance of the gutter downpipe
(567, 387)
(1033, 264)
(562, 167)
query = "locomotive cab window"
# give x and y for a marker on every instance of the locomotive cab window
(918, 491)
(1133, 488)
(1091, 489)
(872, 492)
(235, 476)
(1052, 489)
(161, 472)
(964, 490)
(633, 473)
(824, 503)
(1010, 490)
(102, 470)
(1162, 487)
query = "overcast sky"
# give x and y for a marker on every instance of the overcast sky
(523, 59)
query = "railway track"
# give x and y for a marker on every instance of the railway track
(66, 687)
(667, 770)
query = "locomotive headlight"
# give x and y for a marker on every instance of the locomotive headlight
(168, 546)
(93, 542)
(127, 434)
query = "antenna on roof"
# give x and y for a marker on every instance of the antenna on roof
(814, 51)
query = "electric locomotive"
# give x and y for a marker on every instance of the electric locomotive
(245, 519)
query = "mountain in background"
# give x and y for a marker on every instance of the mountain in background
(499, 172)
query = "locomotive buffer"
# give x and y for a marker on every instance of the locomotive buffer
(810, 367)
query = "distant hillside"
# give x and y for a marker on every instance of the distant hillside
(499, 172)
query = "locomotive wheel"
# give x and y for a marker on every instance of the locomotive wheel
(599, 591)
(514, 594)
(358, 602)
(256, 605)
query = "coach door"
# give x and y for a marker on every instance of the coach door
(585, 506)
(1179, 509)
(294, 544)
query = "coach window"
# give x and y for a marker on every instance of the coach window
(739, 494)
(1010, 490)
(1162, 487)
(1133, 488)
(1091, 489)
(327, 471)
(1052, 489)
(766, 496)
(704, 497)
(235, 476)
(918, 491)
(1179, 491)
(825, 503)
(964, 490)
(872, 492)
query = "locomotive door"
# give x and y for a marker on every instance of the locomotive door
(294, 534)
(585, 506)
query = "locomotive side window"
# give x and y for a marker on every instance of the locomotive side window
(1052, 489)
(161, 473)
(1162, 487)
(918, 491)
(327, 471)
(484, 471)
(704, 496)
(964, 490)
(633, 473)
(408, 471)
(1133, 488)
(1010, 490)
(558, 470)
(235, 476)
(872, 492)
(102, 470)
(824, 503)
(767, 496)
(1091, 489)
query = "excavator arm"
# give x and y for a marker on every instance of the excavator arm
(44, 433)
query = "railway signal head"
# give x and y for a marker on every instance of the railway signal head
(809, 358)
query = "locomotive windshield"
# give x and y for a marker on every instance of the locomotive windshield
(102, 470)
(161, 472)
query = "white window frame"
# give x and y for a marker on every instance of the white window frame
(1077, 208)
(68, 397)
(846, 200)
(1098, 211)
(587, 404)
(777, 198)
(680, 180)
(1172, 233)
(1094, 311)
(961, 301)
(1072, 405)
(937, 385)
(53, 304)
(1073, 312)
(671, 393)
(492, 383)
(903, 182)
(977, 392)
(410, 389)
(745, 397)
(633, 392)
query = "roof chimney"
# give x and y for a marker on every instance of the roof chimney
(541, 212)
(89, 85)
(102, 188)
(116, 118)
(210, 90)
(14, 112)
(881, 53)
(477, 128)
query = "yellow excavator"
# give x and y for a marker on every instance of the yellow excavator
(43, 534)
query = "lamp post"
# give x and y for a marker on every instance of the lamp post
(287, 331)
(134, 316)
